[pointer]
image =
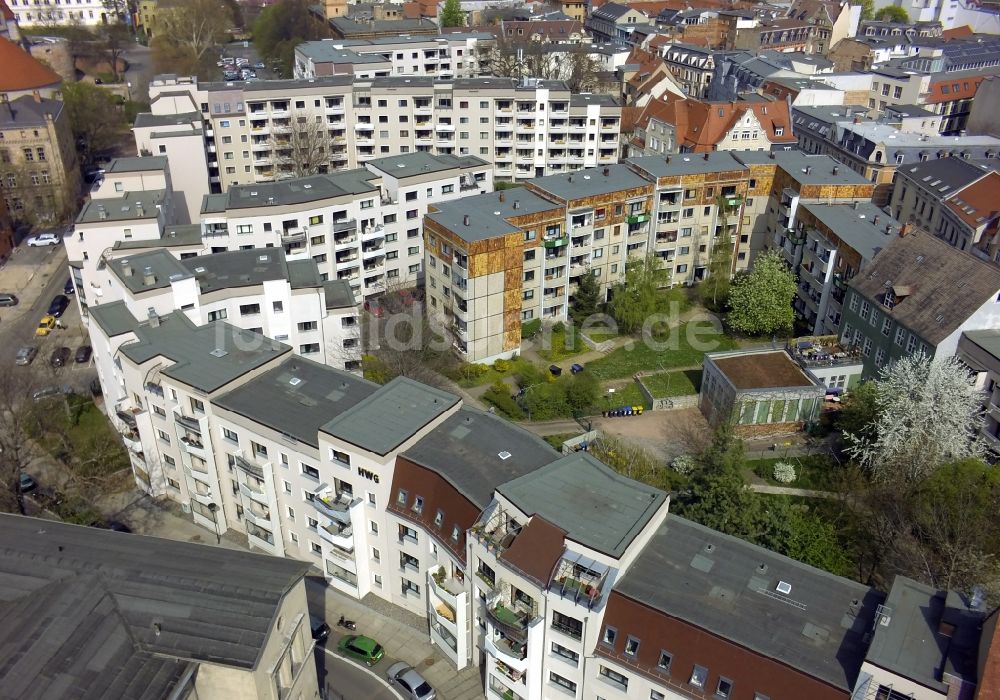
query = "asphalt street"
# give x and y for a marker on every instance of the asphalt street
(344, 680)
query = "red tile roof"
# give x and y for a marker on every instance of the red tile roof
(7, 13)
(957, 32)
(536, 550)
(977, 203)
(21, 71)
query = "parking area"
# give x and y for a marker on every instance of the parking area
(237, 49)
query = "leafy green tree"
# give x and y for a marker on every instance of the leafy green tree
(115, 39)
(583, 391)
(637, 298)
(284, 25)
(587, 298)
(451, 14)
(720, 266)
(892, 13)
(95, 118)
(761, 300)
(859, 411)
(867, 8)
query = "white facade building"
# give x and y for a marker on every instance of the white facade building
(36, 12)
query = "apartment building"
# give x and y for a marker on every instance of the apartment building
(829, 245)
(918, 295)
(177, 137)
(454, 55)
(106, 631)
(92, 13)
(39, 173)
(524, 129)
(692, 67)
(980, 351)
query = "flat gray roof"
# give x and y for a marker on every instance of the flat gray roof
(945, 175)
(297, 397)
(590, 182)
(410, 164)
(595, 505)
(214, 203)
(179, 235)
(300, 190)
(988, 340)
(325, 52)
(204, 357)
(579, 100)
(465, 449)
(911, 643)
(278, 86)
(114, 318)
(855, 225)
(808, 169)
(136, 164)
(487, 214)
(245, 268)
(338, 294)
(129, 207)
(727, 586)
(391, 415)
(692, 164)
(134, 271)
(147, 119)
(91, 614)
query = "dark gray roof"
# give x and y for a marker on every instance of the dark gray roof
(409, 164)
(944, 176)
(80, 607)
(297, 397)
(465, 449)
(487, 214)
(591, 182)
(909, 641)
(143, 272)
(248, 268)
(114, 318)
(204, 357)
(146, 119)
(214, 203)
(988, 340)
(579, 100)
(693, 164)
(401, 81)
(909, 111)
(855, 225)
(349, 26)
(391, 415)
(338, 294)
(299, 190)
(595, 505)
(326, 52)
(303, 274)
(25, 111)
(278, 86)
(728, 587)
(806, 168)
(610, 10)
(177, 235)
(131, 206)
(136, 164)
(947, 285)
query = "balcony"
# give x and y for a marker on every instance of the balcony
(293, 235)
(132, 441)
(446, 587)
(334, 505)
(188, 423)
(556, 242)
(253, 493)
(823, 351)
(194, 446)
(579, 579)
(512, 623)
(637, 218)
(338, 533)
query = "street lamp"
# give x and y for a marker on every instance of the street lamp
(214, 507)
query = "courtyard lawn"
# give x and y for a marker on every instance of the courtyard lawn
(628, 395)
(685, 347)
(557, 349)
(668, 384)
(814, 472)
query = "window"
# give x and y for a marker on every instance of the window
(911, 344)
(456, 532)
(699, 674)
(865, 309)
(162, 435)
(614, 677)
(631, 646)
(230, 435)
(567, 625)
(311, 522)
(374, 526)
(291, 513)
(308, 326)
(663, 663)
(886, 326)
(277, 306)
(249, 309)
(564, 682)
(724, 689)
(418, 504)
(609, 636)
(866, 347)
(900, 336)
(315, 548)
(409, 587)
(401, 497)
(880, 357)
(656, 695)
(407, 533)
(560, 650)
(438, 518)
(308, 348)
(408, 560)
(309, 471)
(170, 460)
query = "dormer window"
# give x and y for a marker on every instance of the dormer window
(418, 504)
(401, 497)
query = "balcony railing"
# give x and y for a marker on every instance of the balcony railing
(336, 506)
(512, 623)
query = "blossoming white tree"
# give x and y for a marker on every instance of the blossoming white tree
(929, 412)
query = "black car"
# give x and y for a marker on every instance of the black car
(82, 354)
(59, 357)
(68, 288)
(320, 630)
(58, 305)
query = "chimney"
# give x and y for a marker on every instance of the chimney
(503, 197)
(856, 203)
(571, 178)
(771, 155)
(836, 170)
(809, 169)
(906, 229)
(37, 95)
(465, 219)
(138, 209)
(607, 171)
(857, 120)
(517, 203)
(126, 268)
(668, 160)
(875, 221)
(154, 318)
(888, 228)
(148, 278)
(706, 156)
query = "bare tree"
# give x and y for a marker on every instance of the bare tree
(304, 150)
(188, 30)
(18, 424)
(524, 58)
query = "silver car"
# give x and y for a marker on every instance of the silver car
(412, 684)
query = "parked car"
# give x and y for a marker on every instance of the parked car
(229, 75)
(364, 649)
(320, 630)
(58, 306)
(27, 483)
(8, 299)
(59, 357)
(69, 288)
(374, 307)
(259, 65)
(44, 239)
(51, 391)
(46, 325)
(83, 354)
(25, 355)
(412, 684)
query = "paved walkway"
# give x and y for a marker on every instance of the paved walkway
(789, 491)
(402, 634)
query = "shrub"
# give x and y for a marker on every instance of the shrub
(498, 395)
(784, 472)
(531, 327)
(683, 464)
(502, 365)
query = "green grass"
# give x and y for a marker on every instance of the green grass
(679, 383)
(625, 362)
(558, 439)
(489, 376)
(628, 395)
(813, 472)
(557, 349)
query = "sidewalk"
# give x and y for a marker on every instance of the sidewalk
(402, 634)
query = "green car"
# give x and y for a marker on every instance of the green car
(361, 648)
